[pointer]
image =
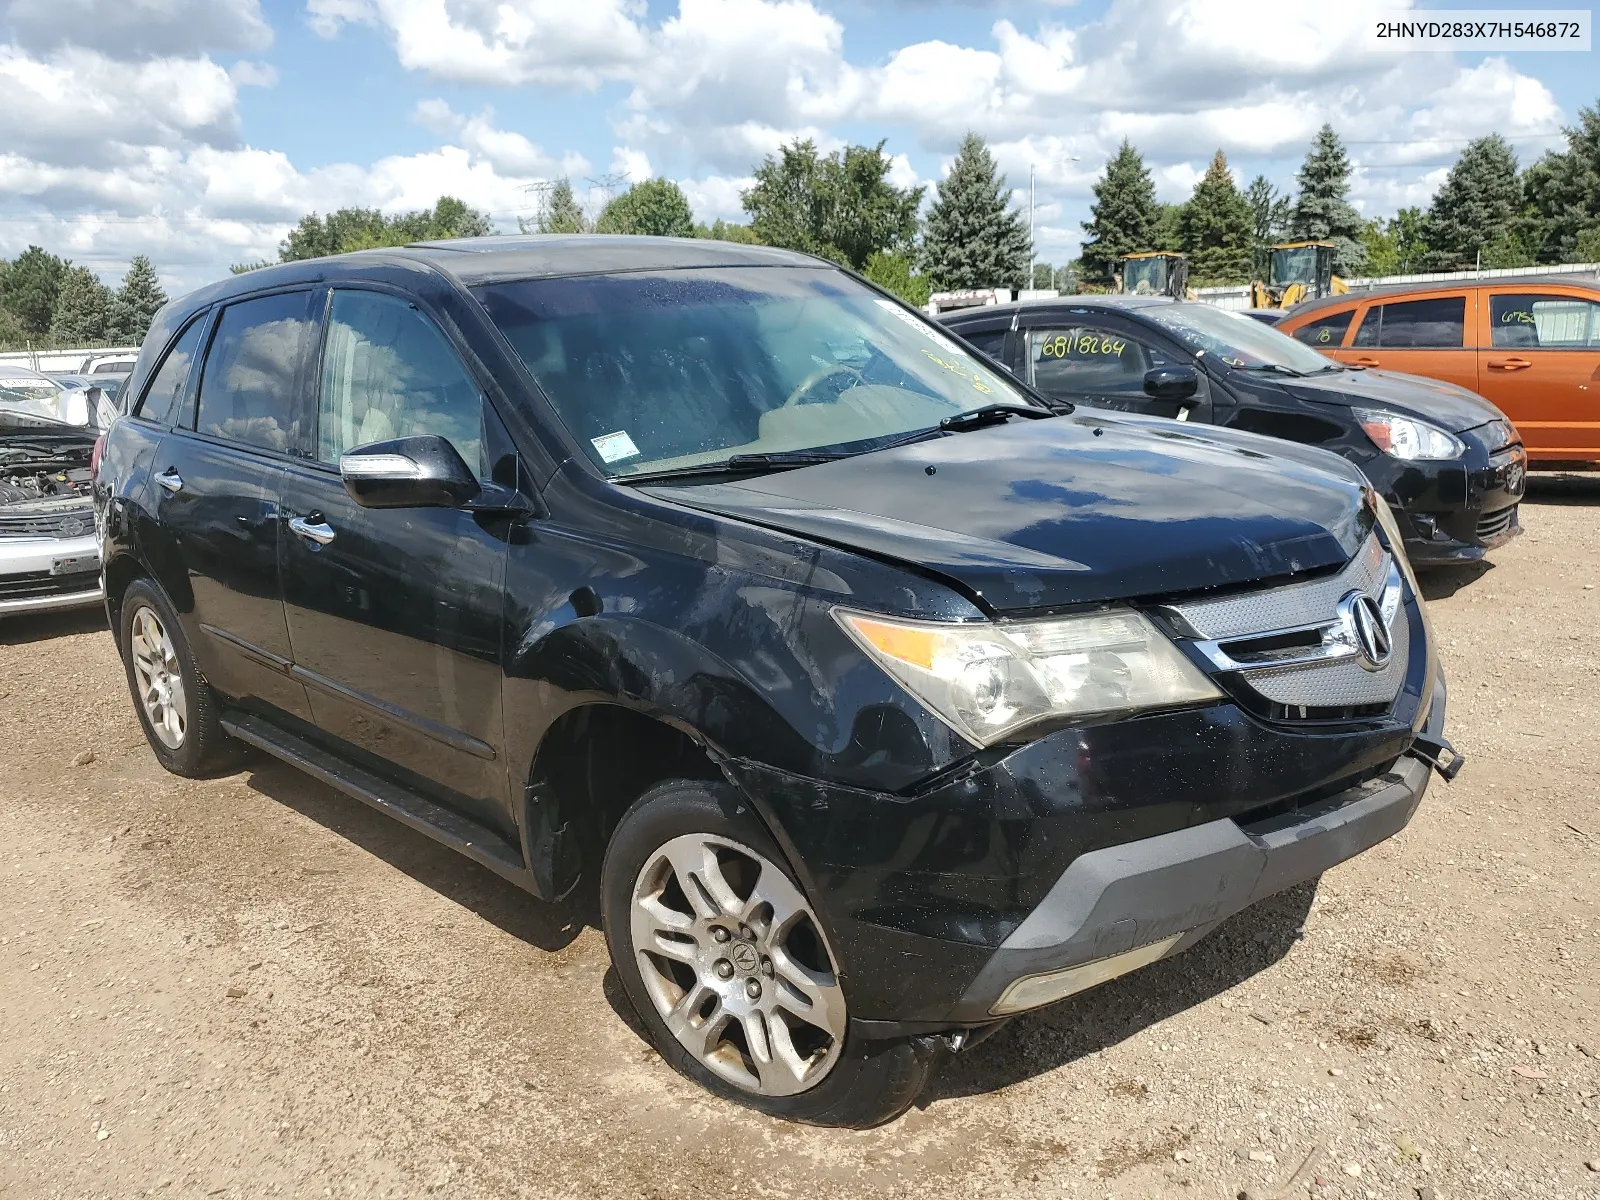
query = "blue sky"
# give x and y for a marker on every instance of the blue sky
(197, 130)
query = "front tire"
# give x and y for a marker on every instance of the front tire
(729, 968)
(176, 706)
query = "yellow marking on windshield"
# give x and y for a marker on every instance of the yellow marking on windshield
(973, 378)
(1084, 345)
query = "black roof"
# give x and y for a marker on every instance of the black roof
(1444, 285)
(1049, 303)
(472, 261)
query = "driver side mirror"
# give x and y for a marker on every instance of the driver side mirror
(410, 472)
(1174, 383)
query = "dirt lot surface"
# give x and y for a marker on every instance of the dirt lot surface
(254, 987)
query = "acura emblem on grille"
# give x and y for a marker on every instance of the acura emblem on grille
(1363, 619)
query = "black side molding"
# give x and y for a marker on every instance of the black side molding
(448, 828)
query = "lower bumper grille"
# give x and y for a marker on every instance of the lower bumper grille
(1492, 525)
(35, 584)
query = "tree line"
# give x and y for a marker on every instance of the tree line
(45, 302)
(1487, 213)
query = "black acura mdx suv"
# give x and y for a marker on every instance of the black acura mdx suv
(877, 700)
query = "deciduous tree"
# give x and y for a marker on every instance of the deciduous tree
(1270, 210)
(655, 208)
(348, 229)
(840, 206)
(895, 271)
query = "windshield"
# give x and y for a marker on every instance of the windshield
(31, 401)
(665, 370)
(1145, 276)
(1236, 339)
(1295, 266)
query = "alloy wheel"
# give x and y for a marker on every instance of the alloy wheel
(159, 676)
(736, 965)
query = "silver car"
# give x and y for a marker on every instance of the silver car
(49, 550)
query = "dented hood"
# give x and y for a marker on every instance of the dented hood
(1071, 510)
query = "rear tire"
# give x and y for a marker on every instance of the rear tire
(176, 706)
(747, 980)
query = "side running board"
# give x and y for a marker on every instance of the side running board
(448, 828)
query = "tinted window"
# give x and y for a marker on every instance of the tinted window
(1415, 324)
(1543, 322)
(1083, 359)
(991, 341)
(1327, 331)
(389, 372)
(247, 387)
(162, 394)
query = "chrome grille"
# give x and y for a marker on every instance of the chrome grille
(48, 520)
(1299, 626)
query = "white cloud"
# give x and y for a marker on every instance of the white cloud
(506, 42)
(139, 28)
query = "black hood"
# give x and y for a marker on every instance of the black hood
(1446, 405)
(1072, 510)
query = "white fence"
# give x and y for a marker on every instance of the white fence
(66, 362)
(1238, 298)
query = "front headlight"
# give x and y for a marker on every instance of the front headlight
(988, 679)
(1406, 437)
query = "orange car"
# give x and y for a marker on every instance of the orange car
(1529, 346)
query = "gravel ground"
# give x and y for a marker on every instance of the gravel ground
(254, 987)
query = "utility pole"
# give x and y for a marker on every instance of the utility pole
(1033, 251)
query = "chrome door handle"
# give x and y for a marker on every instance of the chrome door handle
(321, 533)
(171, 480)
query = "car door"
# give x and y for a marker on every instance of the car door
(394, 615)
(1093, 360)
(1541, 366)
(215, 498)
(1433, 335)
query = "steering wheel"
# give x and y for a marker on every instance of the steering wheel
(809, 383)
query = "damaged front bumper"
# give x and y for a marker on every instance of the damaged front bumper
(1084, 855)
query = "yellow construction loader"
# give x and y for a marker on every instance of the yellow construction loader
(1297, 271)
(1155, 273)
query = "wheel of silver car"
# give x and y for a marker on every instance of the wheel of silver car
(159, 677)
(736, 965)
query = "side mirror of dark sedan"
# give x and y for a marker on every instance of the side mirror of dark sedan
(411, 472)
(1175, 383)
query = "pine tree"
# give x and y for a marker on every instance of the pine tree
(562, 212)
(1322, 211)
(1474, 207)
(973, 238)
(656, 208)
(137, 301)
(83, 309)
(1168, 234)
(1269, 212)
(31, 283)
(1216, 227)
(1124, 215)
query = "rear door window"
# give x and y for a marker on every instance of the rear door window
(1542, 322)
(1325, 332)
(1081, 359)
(1416, 324)
(161, 397)
(249, 386)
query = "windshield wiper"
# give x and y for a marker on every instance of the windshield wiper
(1278, 368)
(739, 464)
(991, 414)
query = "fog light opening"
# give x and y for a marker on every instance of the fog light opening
(1032, 991)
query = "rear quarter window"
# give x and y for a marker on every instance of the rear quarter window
(1325, 332)
(161, 397)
